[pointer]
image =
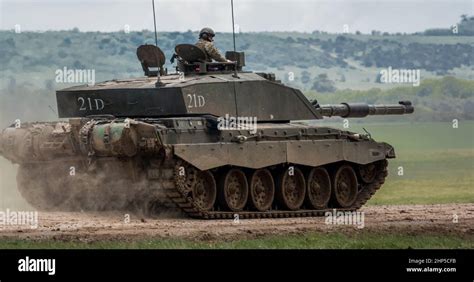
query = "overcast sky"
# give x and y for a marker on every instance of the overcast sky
(251, 15)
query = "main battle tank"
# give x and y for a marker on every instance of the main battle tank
(211, 140)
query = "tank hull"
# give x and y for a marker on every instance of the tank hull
(194, 166)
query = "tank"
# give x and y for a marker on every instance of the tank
(210, 140)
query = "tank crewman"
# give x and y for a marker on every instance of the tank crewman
(206, 44)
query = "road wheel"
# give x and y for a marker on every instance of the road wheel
(291, 188)
(262, 190)
(318, 191)
(368, 172)
(345, 186)
(233, 190)
(204, 190)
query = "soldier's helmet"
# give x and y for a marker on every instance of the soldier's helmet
(207, 30)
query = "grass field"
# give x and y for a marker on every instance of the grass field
(358, 240)
(437, 162)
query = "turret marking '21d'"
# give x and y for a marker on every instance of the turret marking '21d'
(157, 143)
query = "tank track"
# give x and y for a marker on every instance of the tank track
(166, 193)
(170, 185)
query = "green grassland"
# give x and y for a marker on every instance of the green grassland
(437, 161)
(357, 240)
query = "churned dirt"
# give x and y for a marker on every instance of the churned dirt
(88, 227)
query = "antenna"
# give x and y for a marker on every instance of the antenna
(233, 37)
(158, 74)
(154, 22)
(233, 24)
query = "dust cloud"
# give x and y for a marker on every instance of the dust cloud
(10, 197)
(67, 186)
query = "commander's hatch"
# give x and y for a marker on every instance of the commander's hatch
(152, 59)
(190, 53)
(191, 59)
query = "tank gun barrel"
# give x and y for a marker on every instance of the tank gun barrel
(355, 110)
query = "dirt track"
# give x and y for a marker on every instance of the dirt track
(406, 219)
